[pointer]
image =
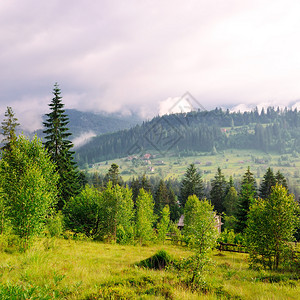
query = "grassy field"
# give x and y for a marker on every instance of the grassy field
(232, 162)
(68, 269)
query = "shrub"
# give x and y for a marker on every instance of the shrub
(158, 261)
(55, 225)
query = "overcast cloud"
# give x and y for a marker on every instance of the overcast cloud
(133, 55)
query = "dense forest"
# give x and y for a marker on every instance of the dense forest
(271, 130)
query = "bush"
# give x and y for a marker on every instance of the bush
(10, 243)
(175, 233)
(81, 214)
(158, 261)
(54, 225)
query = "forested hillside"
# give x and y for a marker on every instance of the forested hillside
(270, 130)
(98, 123)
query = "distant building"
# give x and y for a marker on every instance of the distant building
(180, 223)
(147, 156)
(218, 225)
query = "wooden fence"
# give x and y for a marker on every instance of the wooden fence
(242, 249)
(231, 247)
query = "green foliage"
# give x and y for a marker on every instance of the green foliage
(218, 191)
(230, 237)
(175, 233)
(116, 214)
(272, 223)
(10, 243)
(246, 197)
(55, 224)
(158, 261)
(161, 197)
(144, 216)
(81, 213)
(59, 148)
(191, 185)
(267, 183)
(196, 267)
(29, 186)
(163, 225)
(230, 222)
(199, 230)
(9, 128)
(230, 201)
(3, 219)
(125, 216)
(113, 176)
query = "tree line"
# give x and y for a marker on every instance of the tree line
(41, 187)
(202, 131)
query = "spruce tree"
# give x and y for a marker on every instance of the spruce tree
(267, 183)
(218, 191)
(161, 197)
(9, 128)
(281, 180)
(246, 197)
(59, 147)
(191, 185)
(230, 202)
(113, 175)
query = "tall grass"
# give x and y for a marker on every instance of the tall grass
(68, 269)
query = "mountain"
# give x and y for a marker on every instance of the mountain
(202, 131)
(84, 125)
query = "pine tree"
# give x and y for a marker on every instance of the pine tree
(59, 148)
(161, 197)
(135, 187)
(218, 191)
(9, 128)
(113, 175)
(268, 182)
(246, 197)
(145, 183)
(230, 201)
(191, 185)
(281, 180)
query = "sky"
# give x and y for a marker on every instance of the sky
(143, 55)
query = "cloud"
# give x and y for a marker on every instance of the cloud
(113, 55)
(83, 139)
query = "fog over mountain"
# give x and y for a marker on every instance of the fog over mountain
(130, 56)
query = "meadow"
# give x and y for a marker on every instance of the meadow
(79, 269)
(233, 162)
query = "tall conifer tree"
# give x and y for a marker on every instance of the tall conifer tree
(218, 191)
(267, 183)
(9, 128)
(246, 197)
(281, 180)
(191, 184)
(59, 146)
